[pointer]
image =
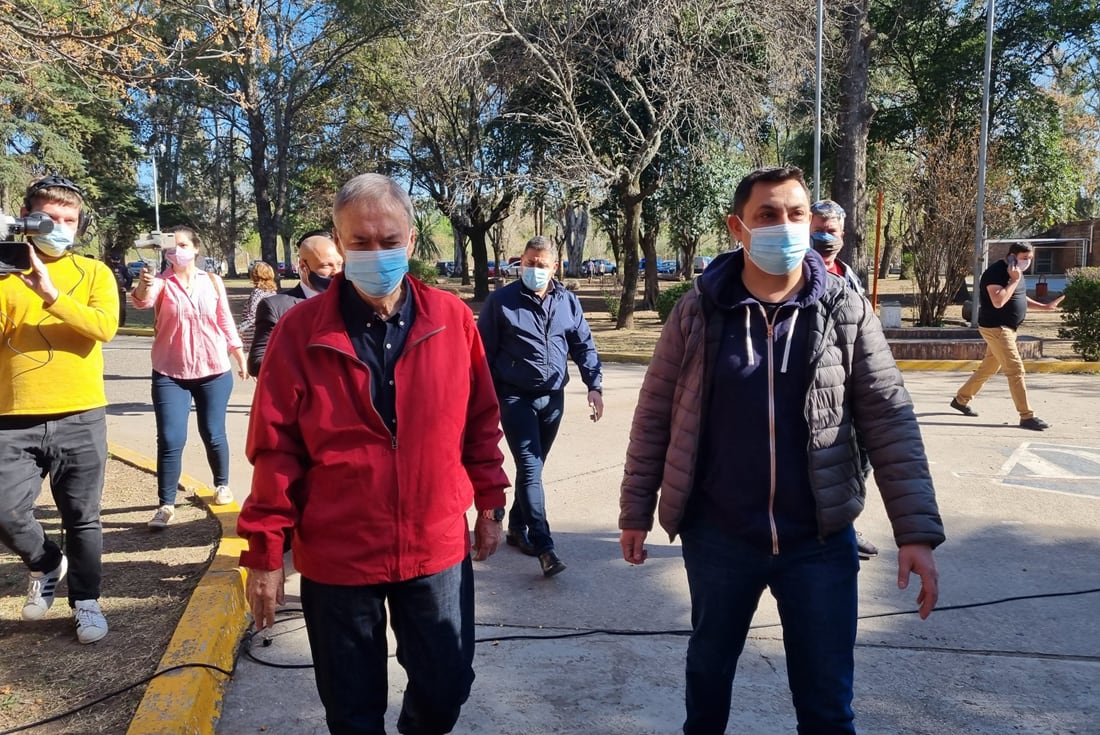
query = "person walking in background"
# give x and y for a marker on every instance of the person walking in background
(194, 335)
(262, 276)
(744, 427)
(124, 281)
(827, 238)
(319, 261)
(53, 417)
(370, 437)
(1003, 299)
(530, 328)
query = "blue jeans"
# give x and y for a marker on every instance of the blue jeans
(72, 450)
(433, 622)
(172, 404)
(530, 424)
(814, 585)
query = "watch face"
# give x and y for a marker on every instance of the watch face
(498, 514)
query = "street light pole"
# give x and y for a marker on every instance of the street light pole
(156, 193)
(817, 103)
(983, 147)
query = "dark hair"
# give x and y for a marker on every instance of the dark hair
(189, 232)
(1019, 247)
(540, 244)
(312, 233)
(772, 175)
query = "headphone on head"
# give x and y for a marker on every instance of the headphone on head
(60, 182)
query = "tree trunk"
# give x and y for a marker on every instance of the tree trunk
(853, 125)
(889, 246)
(266, 224)
(630, 200)
(576, 233)
(649, 250)
(480, 253)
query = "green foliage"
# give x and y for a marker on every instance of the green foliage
(669, 297)
(611, 299)
(1081, 311)
(423, 272)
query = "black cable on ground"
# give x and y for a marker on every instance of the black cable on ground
(105, 697)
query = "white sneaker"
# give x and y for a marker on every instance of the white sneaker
(41, 589)
(91, 626)
(223, 495)
(162, 517)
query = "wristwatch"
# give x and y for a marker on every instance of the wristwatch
(492, 514)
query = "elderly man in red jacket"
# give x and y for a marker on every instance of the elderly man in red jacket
(370, 437)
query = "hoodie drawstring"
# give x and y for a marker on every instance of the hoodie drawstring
(748, 338)
(790, 338)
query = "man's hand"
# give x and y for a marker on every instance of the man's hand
(918, 558)
(264, 593)
(595, 402)
(1014, 272)
(486, 538)
(633, 543)
(38, 280)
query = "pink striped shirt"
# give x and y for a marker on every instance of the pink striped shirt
(194, 332)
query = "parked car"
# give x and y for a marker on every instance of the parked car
(135, 267)
(666, 267)
(701, 262)
(288, 270)
(513, 268)
(445, 268)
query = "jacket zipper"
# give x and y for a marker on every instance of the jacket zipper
(770, 323)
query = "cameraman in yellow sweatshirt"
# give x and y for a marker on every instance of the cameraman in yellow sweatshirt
(54, 320)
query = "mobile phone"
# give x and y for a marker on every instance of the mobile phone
(1012, 260)
(15, 257)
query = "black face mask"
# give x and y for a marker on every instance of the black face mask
(825, 243)
(318, 283)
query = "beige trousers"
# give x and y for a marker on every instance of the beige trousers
(1000, 355)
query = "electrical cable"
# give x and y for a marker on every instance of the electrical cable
(295, 613)
(105, 697)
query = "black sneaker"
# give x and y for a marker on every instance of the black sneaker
(1034, 423)
(965, 410)
(520, 541)
(550, 563)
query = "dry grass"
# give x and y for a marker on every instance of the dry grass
(147, 580)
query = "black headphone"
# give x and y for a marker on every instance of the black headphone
(60, 182)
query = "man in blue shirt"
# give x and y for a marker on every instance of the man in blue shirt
(530, 327)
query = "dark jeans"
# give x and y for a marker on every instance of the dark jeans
(433, 622)
(530, 424)
(814, 585)
(172, 404)
(72, 450)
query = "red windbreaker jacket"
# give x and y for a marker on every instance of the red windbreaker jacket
(367, 506)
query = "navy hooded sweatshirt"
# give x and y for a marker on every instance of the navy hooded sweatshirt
(753, 477)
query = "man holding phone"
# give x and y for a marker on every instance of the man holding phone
(54, 320)
(1004, 302)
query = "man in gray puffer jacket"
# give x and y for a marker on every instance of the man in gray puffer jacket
(745, 426)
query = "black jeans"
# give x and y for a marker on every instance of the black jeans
(433, 622)
(72, 450)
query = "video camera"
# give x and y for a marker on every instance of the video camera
(15, 255)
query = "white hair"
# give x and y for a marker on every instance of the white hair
(371, 189)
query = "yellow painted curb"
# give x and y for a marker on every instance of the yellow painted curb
(189, 701)
(135, 331)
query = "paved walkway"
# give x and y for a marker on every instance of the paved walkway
(1022, 511)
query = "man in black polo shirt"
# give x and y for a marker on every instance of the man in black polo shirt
(1004, 304)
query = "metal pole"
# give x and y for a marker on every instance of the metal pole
(983, 147)
(817, 103)
(156, 194)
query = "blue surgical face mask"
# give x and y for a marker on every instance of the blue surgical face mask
(535, 278)
(376, 272)
(778, 249)
(57, 242)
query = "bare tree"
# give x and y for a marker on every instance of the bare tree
(606, 81)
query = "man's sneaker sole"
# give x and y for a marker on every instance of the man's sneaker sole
(42, 590)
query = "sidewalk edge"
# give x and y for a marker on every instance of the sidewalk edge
(189, 700)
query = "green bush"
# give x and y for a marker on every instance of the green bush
(423, 272)
(1081, 311)
(611, 299)
(668, 298)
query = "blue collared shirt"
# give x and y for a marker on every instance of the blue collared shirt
(378, 343)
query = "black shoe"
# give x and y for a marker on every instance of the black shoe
(550, 563)
(520, 541)
(1034, 423)
(865, 548)
(964, 410)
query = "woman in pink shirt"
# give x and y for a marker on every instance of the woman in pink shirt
(193, 339)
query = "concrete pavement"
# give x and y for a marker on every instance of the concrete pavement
(1022, 511)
